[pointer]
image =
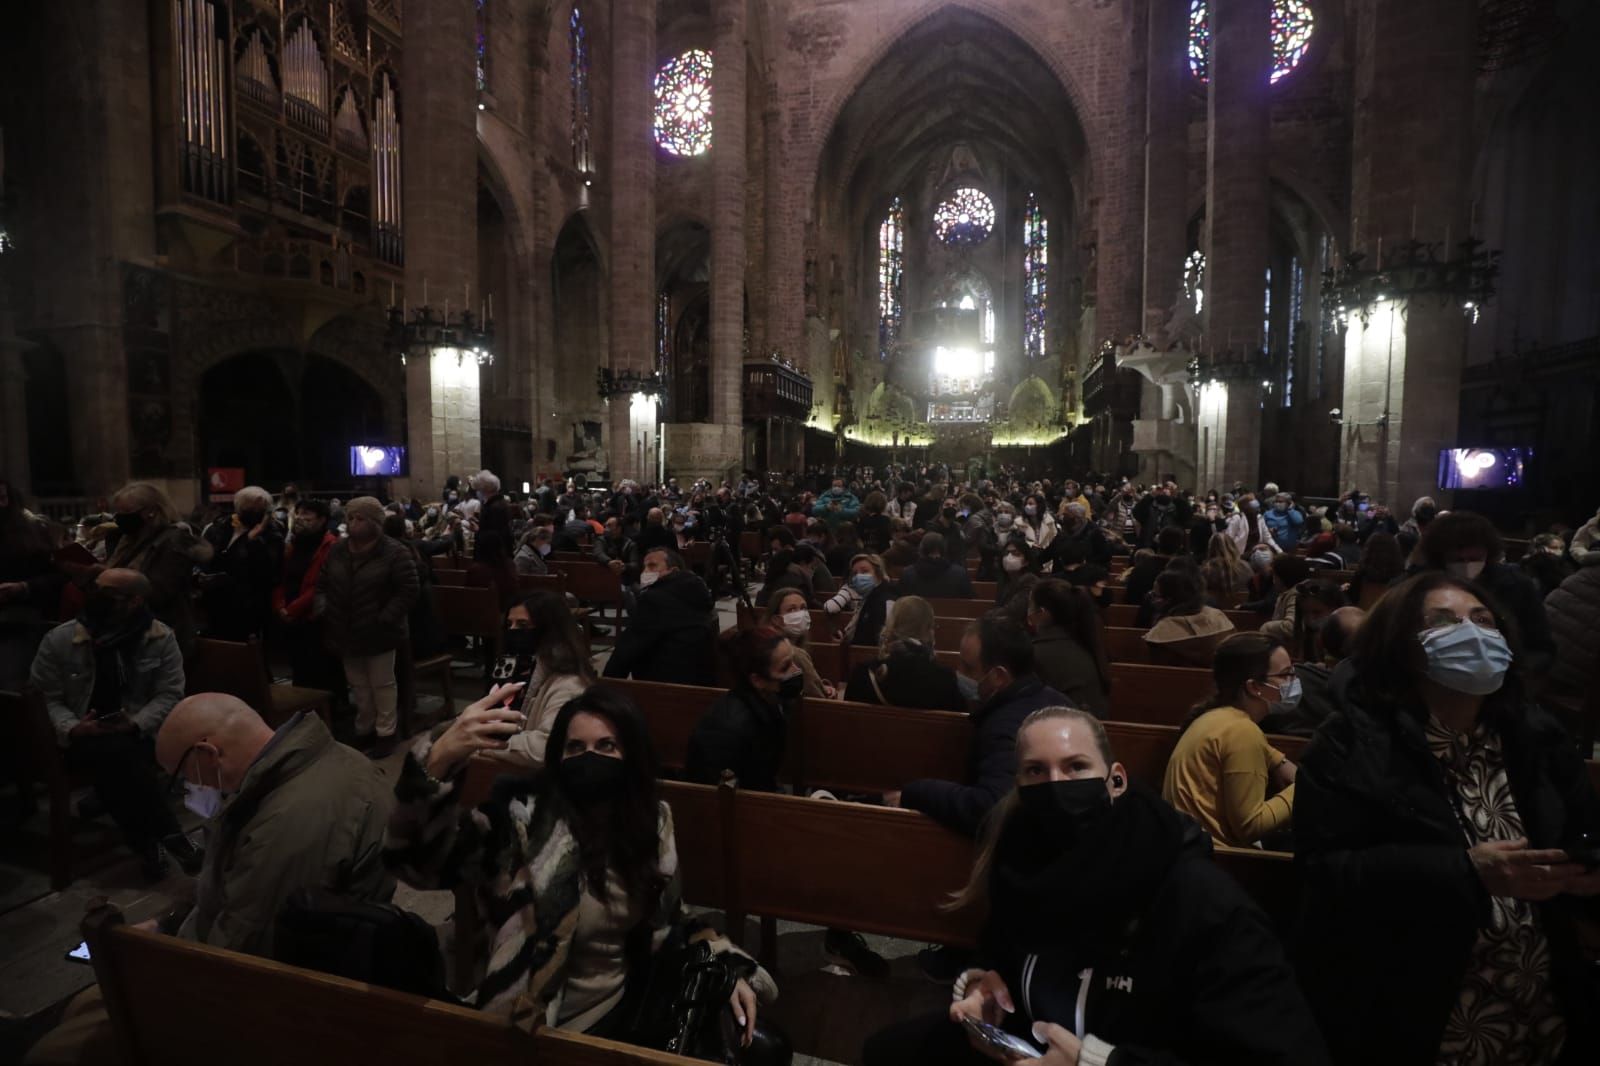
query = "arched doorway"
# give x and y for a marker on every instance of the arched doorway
(683, 274)
(580, 342)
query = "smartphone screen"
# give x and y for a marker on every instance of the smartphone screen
(80, 953)
(1001, 1040)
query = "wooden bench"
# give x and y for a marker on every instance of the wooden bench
(529, 584)
(1159, 695)
(240, 669)
(1125, 645)
(853, 655)
(1126, 615)
(471, 612)
(43, 757)
(947, 633)
(445, 561)
(252, 1011)
(944, 607)
(985, 591)
(450, 578)
(596, 586)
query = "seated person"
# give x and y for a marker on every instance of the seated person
(1170, 542)
(109, 679)
(1107, 918)
(1314, 600)
(1189, 630)
(593, 826)
(1068, 650)
(746, 730)
(865, 597)
(615, 550)
(669, 634)
(997, 663)
(1432, 813)
(788, 611)
(547, 642)
(532, 557)
(905, 673)
(932, 575)
(1324, 678)
(1222, 770)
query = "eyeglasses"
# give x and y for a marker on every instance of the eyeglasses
(1282, 675)
(175, 782)
(1441, 617)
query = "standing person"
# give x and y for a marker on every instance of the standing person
(369, 584)
(1164, 508)
(1068, 651)
(1224, 773)
(150, 539)
(1433, 812)
(109, 678)
(294, 599)
(247, 557)
(874, 522)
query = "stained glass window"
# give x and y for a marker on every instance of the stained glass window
(1266, 313)
(1194, 280)
(965, 217)
(683, 103)
(1292, 23)
(482, 45)
(891, 276)
(1035, 276)
(578, 42)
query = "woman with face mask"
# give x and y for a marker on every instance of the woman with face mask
(1017, 569)
(1446, 815)
(1037, 526)
(1467, 547)
(905, 673)
(546, 649)
(1109, 935)
(864, 598)
(577, 864)
(150, 539)
(1224, 773)
(789, 612)
(745, 731)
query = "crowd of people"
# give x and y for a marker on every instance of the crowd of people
(1447, 838)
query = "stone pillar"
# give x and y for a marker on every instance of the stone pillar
(14, 456)
(1166, 153)
(439, 174)
(1236, 241)
(632, 420)
(1411, 150)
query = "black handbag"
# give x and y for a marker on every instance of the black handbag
(683, 1008)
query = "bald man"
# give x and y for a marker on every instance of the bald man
(288, 809)
(109, 678)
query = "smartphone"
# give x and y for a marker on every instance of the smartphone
(1001, 1040)
(80, 953)
(1585, 851)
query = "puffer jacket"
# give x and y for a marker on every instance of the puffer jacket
(368, 596)
(1573, 611)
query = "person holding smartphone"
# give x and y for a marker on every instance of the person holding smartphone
(1111, 937)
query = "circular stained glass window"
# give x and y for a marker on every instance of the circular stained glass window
(1292, 23)
(683, 103)
(965, 217)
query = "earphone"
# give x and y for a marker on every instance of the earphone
(1116, 779)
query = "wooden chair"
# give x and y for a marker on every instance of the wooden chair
(470, 612)
(287, 1014)
(595, 586)
(43, 758)
(948, 608)
(437, 666)
(450, 578)
(1268, 877)
(240, 669)
(1160, 695)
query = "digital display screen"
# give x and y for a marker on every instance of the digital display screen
(377, 460)
(1483, 468)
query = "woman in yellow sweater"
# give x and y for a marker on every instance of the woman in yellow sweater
(1223, 769)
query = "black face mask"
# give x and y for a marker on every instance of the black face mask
(130, 524)
(251, 519)
(790, 688)
(592, 777)
(519, 640)
(101, 612)
(1060, 812)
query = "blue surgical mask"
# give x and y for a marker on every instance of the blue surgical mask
(1289, 695)
(863, 583)
(1466, 657)
(968, 687)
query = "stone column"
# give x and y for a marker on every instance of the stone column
(1166, 152)
(1237, 214)
(632, 420)
(439, 175)
(727, 230)
(1412, 150)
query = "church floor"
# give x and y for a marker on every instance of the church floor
(827, 1014)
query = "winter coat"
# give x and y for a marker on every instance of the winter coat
(302, 606)
(936, 577)
(1135, 940)
(368, 597)
(1574, 614)
(310, 813)
(992, 761)
(849, 506)
(167, 557)
(744, 731)
(1285, 526)
(1390, 903)
(907, 679)
(1066, 666)
(64, 673)
(669, 636)
(237, 589)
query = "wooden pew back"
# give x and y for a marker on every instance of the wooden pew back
(670, 713)
(948, 608)
(1160, 695)
(1124, 645)
(853, 655)
(862, 747)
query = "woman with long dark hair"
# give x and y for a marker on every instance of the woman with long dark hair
(1381, 565)
(1445, 833)
(1068, 651)
(574, 868)
(1224, 774)
(1187, 630)
(746, 729)
(541, 631)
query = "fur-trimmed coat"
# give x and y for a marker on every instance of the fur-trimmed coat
(523, 867)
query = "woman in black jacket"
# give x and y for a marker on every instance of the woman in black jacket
(1068, 650)
(1111, 937)
(1431, 819)
(905, 673)
(745, 731)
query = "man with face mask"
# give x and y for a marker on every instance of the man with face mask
(247, 557)
(1111, 936)
(1164, 507)
(671, 626)
(997, 675)
(838, 504)
(109, 679)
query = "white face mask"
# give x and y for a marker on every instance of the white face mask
(204, 800)
(1012, 563)
(1464, 571)
(648, 578)
(797, 623)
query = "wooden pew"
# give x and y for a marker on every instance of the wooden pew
(947, 633)
(985, 591)
(1268, 877)
(948, 608)
(251, 1011)
(670, 713)
(853, 655)
(450, 578)
(528, 584)
(1126, 615)
(470, 612)
(596, 586)
(1125, 645)
(863, 747)
(1160, 695)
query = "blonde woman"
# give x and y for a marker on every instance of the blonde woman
(789, 612)
(150, 539)
(1225, 572)
(905, 673)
